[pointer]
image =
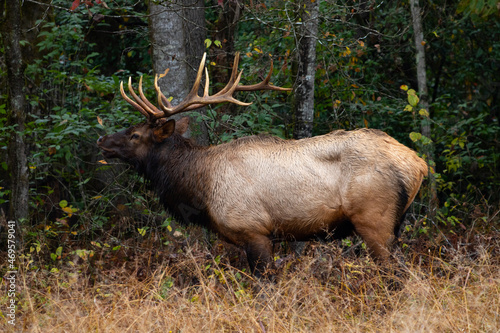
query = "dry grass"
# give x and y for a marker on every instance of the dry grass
(322, 291)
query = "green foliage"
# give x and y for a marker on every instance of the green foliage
(71, 84)
(259, 118)
(478, 10)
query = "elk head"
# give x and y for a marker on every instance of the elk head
(133, 144)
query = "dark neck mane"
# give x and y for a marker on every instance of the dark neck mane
(177, 170)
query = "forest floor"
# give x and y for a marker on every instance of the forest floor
(453, 286)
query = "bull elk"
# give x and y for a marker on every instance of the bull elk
(258, 189)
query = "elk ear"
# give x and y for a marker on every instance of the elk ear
(182, 125)
(164, 131)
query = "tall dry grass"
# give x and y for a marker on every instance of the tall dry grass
(322, 291)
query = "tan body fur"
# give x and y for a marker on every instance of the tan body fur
(270, 188)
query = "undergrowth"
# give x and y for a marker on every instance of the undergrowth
(194, 285)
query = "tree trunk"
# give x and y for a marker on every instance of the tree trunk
(306, 69)
(427, 150)
(225, 32)
(195, 33)
(177, 32)
(17, 162)
(168, 49)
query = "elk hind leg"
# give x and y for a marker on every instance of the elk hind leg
(378, 234)
(259, 254)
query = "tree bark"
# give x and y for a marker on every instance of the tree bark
(427, 150)
(168, 49)
(225, 32)
(177, 32)
(306, 69)
(16, 156)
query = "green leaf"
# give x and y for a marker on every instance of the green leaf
(208, 42)
(412, 97)
(414, 136)
(462, 5)
(63, 203)
(425, 140)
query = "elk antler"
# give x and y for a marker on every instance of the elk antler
(193, 101)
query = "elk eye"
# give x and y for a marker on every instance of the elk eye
(134, 136)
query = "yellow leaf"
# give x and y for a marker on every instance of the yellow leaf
(99, 120)
(169, 228)
(413, 100)
(249, 54)
(404, 87)
(257, 50)
(423, 112)
(68, 210)
(414, 136)
(96, 197)
(102, 162)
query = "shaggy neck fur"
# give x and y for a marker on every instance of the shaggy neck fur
(178, 172)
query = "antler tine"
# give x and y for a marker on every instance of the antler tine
(161, 98)
(150, 109)
(131, 102)
(207, 80)
(234, 75)
(264, 85)
(153, 109)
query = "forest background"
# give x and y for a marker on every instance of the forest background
(434, 86)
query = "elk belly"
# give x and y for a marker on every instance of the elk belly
(322, 222)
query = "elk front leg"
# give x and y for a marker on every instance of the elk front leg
(259, 251)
